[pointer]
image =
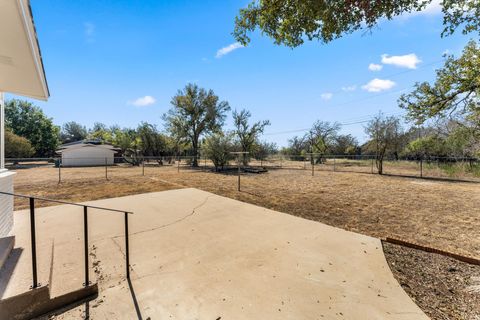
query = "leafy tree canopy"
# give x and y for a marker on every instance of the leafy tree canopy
(101, 132)
(195, 112)
(455, 91)
(152, 142)
(321, 137)
(16, 146)
(384, 133)
(73, 131)
(291, 22)
(247, 134)
(28, 121)
(217, 147)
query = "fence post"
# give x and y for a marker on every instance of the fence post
(59, 172)
(238, 173)
(127, 249)
(313, 167)
(143, 166)
(372, 165)
(33, 244)
(106, 170)
(334, 164)
(85, 240)
(421, 167)
(178, 164)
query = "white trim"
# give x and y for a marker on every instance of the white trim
(33, 47)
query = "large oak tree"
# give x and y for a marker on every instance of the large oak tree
(455, 91)
(195, 112)
(27, 120)
(291, 22)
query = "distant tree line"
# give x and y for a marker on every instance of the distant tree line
(445, 118)
(193, 126)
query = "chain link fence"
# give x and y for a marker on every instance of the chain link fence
(448, 168)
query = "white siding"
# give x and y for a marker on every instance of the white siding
(6, 203)
(87, 156)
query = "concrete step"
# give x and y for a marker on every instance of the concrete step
(16, 274)
(6, 246)
(19, 301)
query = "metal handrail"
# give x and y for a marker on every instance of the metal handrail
(85, 232)
(64, 202)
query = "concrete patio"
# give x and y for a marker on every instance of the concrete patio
(196, 255)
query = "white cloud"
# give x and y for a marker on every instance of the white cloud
(228, 49)
(409, 61)
(326, 96)
(375, 67)
(143, 101)
(349, 88)
(377, 85)
(433, 8)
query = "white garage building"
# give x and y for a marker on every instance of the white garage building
(86, 153)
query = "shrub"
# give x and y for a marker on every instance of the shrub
(217, 147)
(16, 146)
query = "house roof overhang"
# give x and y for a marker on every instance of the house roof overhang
(21, 65)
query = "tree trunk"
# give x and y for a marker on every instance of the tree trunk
(195, 153)
(380, 165)
(245, 159)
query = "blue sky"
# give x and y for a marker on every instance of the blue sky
(120, 62)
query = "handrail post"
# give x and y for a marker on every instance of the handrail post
(85, 235)
(33, 243)
(127, 251)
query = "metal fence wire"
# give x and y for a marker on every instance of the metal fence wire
(448, 168)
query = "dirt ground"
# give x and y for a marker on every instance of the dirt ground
(448, 289)
(436, 213)
(440, 214)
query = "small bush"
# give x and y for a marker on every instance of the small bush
(16, 146)
(217, 147)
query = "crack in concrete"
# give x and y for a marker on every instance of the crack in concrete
(173, 222)
(156, 228)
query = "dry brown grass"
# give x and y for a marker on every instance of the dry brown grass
(440, 214)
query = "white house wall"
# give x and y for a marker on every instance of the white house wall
(6, 203)
(87, 156)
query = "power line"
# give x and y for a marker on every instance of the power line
(393, 75)
(370, 97)
(367, 119)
